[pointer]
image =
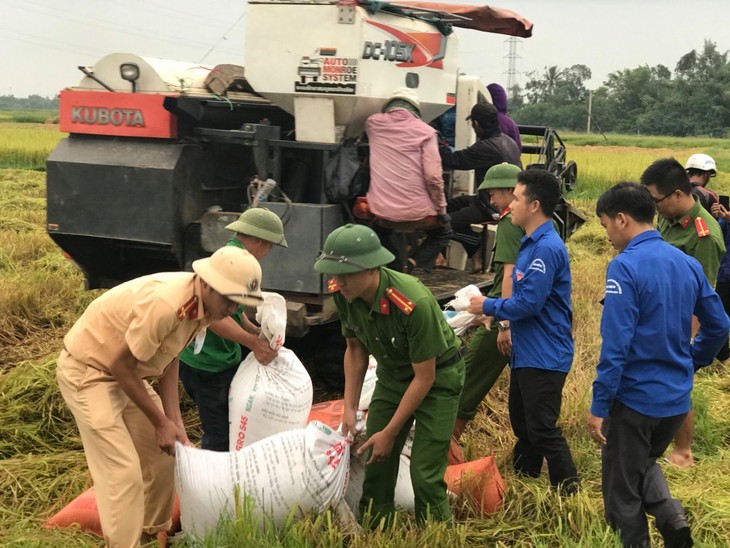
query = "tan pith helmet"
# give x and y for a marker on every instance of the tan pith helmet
(262, 223)
(234, 273)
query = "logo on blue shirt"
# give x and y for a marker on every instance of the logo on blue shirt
(613, 287)
(538, 265)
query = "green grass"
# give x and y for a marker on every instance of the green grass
(42, 467)
(28, 116)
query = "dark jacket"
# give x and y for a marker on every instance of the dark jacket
(494, 148)
(491, 150)
(705, 196)
(506, 124)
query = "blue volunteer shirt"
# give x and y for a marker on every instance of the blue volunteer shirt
(539, 310)
(647, 362)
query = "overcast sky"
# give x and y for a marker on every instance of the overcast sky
(43, 41)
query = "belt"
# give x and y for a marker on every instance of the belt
(454, 359)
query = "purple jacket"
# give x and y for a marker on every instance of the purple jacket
(506, 124)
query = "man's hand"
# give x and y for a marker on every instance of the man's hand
(444, 220)
(595, 427)
(719, 211)
(263, 353)
(486, 321)
(381, 444)
(504, 342)
(349, 422)
(475, 304)
(168, 433)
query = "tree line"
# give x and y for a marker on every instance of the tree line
(32, 102)
(694, 99)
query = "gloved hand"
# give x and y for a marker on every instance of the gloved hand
(444, 219)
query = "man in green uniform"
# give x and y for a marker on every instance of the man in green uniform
(394, 317)
(491, 345)
(208, 365)
(688, 226)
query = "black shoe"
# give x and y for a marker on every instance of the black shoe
(678, 538)
(569, 487)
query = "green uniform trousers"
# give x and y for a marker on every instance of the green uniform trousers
(484, 364)
(435, 419)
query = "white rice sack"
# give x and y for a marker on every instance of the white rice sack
(368, 384)
(267, 399)
(408, 445)
(404, 496)
(271, 316)
(461, 321)
(287, 474)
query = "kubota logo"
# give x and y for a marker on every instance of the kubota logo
(414, 49)
(103, 116)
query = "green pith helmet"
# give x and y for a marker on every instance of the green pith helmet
(352, 248)
(502, 175)
(260, 222)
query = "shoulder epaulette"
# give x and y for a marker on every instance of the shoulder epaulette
(401, 301)
(701, 227)
(189, 309)
(332, 285)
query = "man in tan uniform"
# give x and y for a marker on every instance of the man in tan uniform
(128, 336)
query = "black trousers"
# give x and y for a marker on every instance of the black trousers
(632, 482)
(723, 289)
(424, 255)
(535, 396)
(209, 391)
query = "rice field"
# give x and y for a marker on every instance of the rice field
(27, 145)
(42, 466)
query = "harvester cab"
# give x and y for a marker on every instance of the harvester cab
(162, 155)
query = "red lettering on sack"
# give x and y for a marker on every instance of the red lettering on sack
(241, 432)
(335, 454)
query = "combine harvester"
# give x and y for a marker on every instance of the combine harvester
(163, 154)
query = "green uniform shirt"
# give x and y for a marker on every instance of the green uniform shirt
(217, 354)
(396, 338)
(506, 246)
(698, 234)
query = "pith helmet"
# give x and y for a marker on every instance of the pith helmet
(703, 162)
(502, 175)
(234, 273)
(260, 222)
(404, 94)
(352, 248)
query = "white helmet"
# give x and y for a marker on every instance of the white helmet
(703, 162)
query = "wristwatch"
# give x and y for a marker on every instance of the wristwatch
(502, 326)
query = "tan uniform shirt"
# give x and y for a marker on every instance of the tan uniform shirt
(156, 315)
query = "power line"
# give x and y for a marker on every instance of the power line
(223, 37)
(49, 42)
(174, 13)
(99, 24)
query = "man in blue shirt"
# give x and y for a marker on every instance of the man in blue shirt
(540, 316)
(641, 394)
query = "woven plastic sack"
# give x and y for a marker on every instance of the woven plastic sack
(284, 475)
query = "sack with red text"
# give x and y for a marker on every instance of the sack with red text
(271, 316)
(267, 399)
(284, 475)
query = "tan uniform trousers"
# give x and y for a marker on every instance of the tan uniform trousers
(133, 478)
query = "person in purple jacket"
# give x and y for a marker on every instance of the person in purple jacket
(506, 124)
